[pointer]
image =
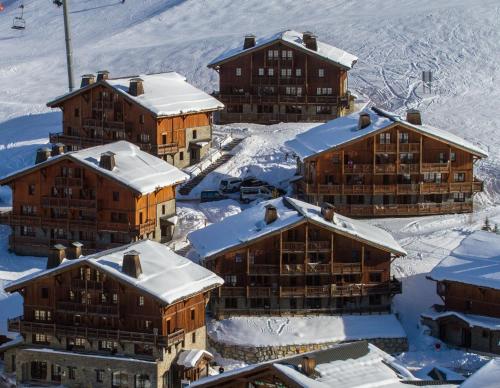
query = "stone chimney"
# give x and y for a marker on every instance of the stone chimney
(42, 154)
(249, 41)
(102, 75)
(271, 214)
(310, 40)
(413, 117)
(136, 87)
(57, 149)
(75, 250)
(87, 79)
(328, 211)
(308, 365)
(364, 120)
(107, 160)
(56, 255)
(132, 264)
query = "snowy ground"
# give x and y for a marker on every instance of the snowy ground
(458, 40)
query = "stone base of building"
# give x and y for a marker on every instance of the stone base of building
(253, 354)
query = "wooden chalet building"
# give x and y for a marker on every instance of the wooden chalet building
(289, 76)
(101, 197)
(286, 256)
(375, 164)
(161, 113)
(132, 316)
(468, 282)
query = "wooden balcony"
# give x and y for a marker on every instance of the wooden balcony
(385, 148)
(21, 326)
(409, 147)
(147, 227)
(318, 246)
(316, 268)
(477, 186)
(434, 188)
(229, 291)
(346, 268)
(292, 269)
(409, 168)
(82, 284)
(102, 105)
(292, 291)
(357, 189)
(347, 290)
(81, 141)
(324, 189)
(404, 209)
(63, 181)
(436, 167)
(74, 203)
(385, 168)
(264, 269)
(318, 291)
(258, 292)
(24, 219)
(291, 246)
(358, 168)
(90, 309)
(166, 149)
(410, 188)
(384, 189)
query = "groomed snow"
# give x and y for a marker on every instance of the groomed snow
(293, 38)
(345, 129)
(165, 94)
(265, 331)
(134, 168)
(475, 261)
(249, 225)
(166, 275)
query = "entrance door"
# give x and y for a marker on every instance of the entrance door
(442, 332)
(466, 337)
(38, 370)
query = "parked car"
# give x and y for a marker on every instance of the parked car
(249, 194)
(252, 182)
(231, 185)
(211, 195)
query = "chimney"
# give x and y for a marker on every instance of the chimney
(271, 214)
(102, 75)
(308, 365)
(75, 250)
(57, 149)
(328, 211)
(87, 79)
(42, 154)
(249, 41)
(364, 120)
(136, 87)
(413, 117)
(132, 264)
(107, 160)
(310, 40)
(56, 255)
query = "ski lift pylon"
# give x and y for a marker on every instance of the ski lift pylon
(18, 23)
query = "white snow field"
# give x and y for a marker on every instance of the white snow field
(395, 40)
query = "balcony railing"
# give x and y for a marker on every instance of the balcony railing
(228, 291)
(385, 148)
(94, 309)
(290, 246)
(409, 147)
(357, 189)
(434, 188)
(409, 188)
(346, 268)
(404, 209)
(385, 168)
(165, 149)
(264, 269)
(409, 168)
(258, 292)
(75, 203)
(63, 181)
(358, 168)
(318, 268)
(20, 325)
(318, 245)
(288, 269)
(24, 219)
(435, 167)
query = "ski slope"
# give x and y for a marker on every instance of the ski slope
(395, 40)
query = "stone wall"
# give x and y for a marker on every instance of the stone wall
(252, 355)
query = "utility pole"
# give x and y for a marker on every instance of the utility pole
(69, 50)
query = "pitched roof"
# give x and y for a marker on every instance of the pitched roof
(472, 320)
(136, 169)
(486, 377)
(189, 358)
(343, 130)
(166, 275)
(294, 39)
(249, 225)
(165, 94)
(475, 261)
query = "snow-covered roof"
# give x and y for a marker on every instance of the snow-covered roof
(294, 39)
(471, 319)
(249, 225)
(165, 94)
(284, 331)
(142, 172)
(486, 377)
(475, 261)
(189, 358)
(166, 275)
(343, 130)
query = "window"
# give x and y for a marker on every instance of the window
(459, 177)
(193, 313)
(324, 91)
(71, 295)
(238, 72)
(238, 257)
(42, 315)
(119, 379)
(116, 196)
(458, 197)
(99, 375)
(45, 292)
(270, 72)
(163, 209)
(385, 138)
(321, 73)
(115, 298)
(453, 156)
(142, 381)
(323, 109)
(272, 54)
(77, 112)
(230, 280)
(298, 72)
(403, 137)
(261, 71)
(231, 303)
(27, 231)
(141, 301)
(148, 324)
(144, 137)
(141, 119)
(375, 277)
(286, 73)
(193, 337)
(31, 189)
(71, 372)
(485, 333)
(108, 345)
(195, 134)
(181, 155)
(40, 338)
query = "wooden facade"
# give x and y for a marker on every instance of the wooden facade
(102, 323)
(98, 114)
(65, 201)
(278, 82)
(396, 171)
(302, 269)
